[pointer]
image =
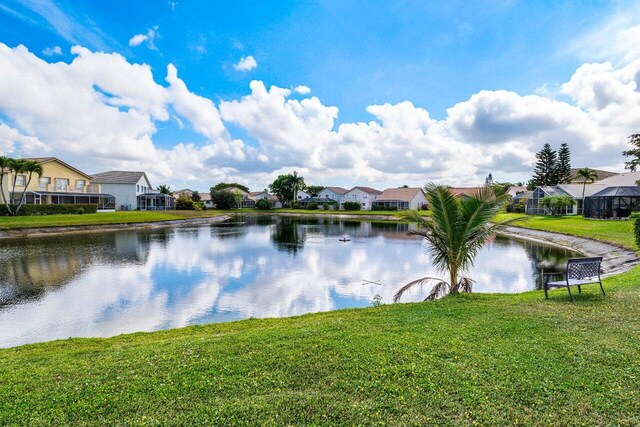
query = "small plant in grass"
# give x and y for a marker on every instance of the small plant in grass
(377, 300)
(325, 206)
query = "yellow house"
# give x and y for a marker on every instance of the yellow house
(60, 183)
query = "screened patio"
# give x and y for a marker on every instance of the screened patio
(104, 201)
(613, 202)
(155, 202)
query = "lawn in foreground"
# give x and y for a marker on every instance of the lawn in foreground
(619, 232)
(469, 359)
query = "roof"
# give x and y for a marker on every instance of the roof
(337, 190)
(43, 160)
(403, 194)
(517, 189)
(601, 174)
(367, 190)
(119, 177)
(257, 193)
(627, 179)
(626, 191)
(523, 195)
(205, 197)
(575, 190)
(184, 190)
(466, 191)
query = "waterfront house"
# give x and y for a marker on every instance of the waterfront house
(205, 198)
(401, 199)
(333, 193)
(125, 186)
(186, 192)
(365, 196)
(60, 184)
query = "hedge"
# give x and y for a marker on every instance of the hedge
(50, 209)
(351, 206)
(636, 226)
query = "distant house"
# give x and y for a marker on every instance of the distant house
(401, 199)
(184, 192)
(333, 193)
(465, 191)
(125, 186)
(264, 194)
(60, 184)
(205, 198)
(301, 194)
(515, 190)
(601, 174)
(363, 195)
(534, 207)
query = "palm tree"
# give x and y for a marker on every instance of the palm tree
(588, 175)
(297, 182)
(456, 230)
(164, 189)
(29, 167)
(5, 168)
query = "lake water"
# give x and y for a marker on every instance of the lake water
(107, 284)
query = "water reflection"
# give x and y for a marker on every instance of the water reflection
(107, 284)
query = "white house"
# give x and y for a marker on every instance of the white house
(301, 194)
(333, 193)
(363, 195)
(125, 186)
(401, 198)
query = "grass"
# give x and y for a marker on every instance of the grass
(474, 359)
(106, 218)
(617, 232)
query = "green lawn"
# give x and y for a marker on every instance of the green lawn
(618, 232)
(7, 222)
(467, 360)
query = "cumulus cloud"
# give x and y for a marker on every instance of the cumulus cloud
(148, 38)
(302, 90)
(52, 51)
(246, 63)
(103, 112)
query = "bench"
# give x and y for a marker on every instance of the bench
(580, 271)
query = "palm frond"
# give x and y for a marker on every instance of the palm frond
(465, 284)
(421, 281)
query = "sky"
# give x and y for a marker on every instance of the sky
(347, 93)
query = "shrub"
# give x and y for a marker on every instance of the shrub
(636, 226)
(295, 205)
(263, 204)
(27, 210)
(325, 206)
(183, 203)
(351, 206)
(312, 206)
(224, 199)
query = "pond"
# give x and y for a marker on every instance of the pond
(105, 284)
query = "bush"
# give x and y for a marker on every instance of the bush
(263, 204)
(184, 203)
(351, 206)
(325, 206)
(27, 210)
(635, 217)
(295, 205)
(312, 206)
(224, 199)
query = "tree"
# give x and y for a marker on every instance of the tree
(563, 166)
(196, 196)
(314, 190)
(488, 181)
(164, 189)
(17, 167)
(5, 168)
(286, 186)
(224, 199)
(456, 230)
(588, 175)
(184, 203)
(633, 164)
(263, 204)
(544, 173)
(223, 185)
(29, 167)
(557, 204)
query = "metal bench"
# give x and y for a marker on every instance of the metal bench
(580, 271)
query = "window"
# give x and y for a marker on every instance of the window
(21, 180)
(364, 196)
(137, 188)
(80, 183)
(44, 181)
(62, 184)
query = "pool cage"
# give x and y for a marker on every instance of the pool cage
(613, 202)
(534, 207)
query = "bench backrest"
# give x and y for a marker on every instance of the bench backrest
(581, 268)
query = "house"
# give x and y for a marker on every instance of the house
(125, 186)
(534, 207)
(515, 190)
(205, 198)
(333, 193)
(601, 174)
(363, 195)
(466, 191)
(59, 184)
(184, 192)
(401, 198)
(301, 194)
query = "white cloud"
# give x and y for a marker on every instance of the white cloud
(51, 51)
(246, 63)
(102, 112)
(302, 90)
(148, 38)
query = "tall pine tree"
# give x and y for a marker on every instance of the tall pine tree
(544, 172)
(563, 167)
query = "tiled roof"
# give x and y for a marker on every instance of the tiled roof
(466, 191)
(367, 190)
(402, 194)
(119, 177)
(602, 174)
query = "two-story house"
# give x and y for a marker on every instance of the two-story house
(125, 186)
(363, 195)
(60, 183)
(333, 193)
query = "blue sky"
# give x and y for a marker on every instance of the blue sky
(352, 54)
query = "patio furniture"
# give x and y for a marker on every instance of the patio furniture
(580, 271)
